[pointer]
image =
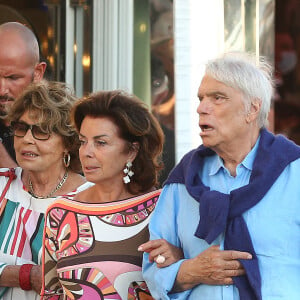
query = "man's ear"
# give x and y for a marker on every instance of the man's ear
(39, 71)
(254, 110)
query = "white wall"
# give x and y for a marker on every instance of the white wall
(199, 36)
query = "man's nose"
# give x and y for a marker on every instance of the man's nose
(3, 87)
(204, 106)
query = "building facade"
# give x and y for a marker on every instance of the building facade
(157, 49)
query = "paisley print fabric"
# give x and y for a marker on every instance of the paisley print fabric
(90, 250)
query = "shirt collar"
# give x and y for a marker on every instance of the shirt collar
(217, 163)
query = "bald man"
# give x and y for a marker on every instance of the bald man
(19, 66)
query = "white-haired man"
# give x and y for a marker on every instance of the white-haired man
(232, 205)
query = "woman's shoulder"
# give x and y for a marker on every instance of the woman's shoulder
(146, 199)
(146, 195)
(5, 172)
(85, 185)
(10, 173)
(76, 183)
(152, 192)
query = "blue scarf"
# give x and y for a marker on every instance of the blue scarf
(223, 212)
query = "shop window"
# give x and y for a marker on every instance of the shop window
(47, 19)
(82, 45)
(162, 75)
(287, 69)
(249, 26)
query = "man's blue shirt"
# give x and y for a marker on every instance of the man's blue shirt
(274, 226)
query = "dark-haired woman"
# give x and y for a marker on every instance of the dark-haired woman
(92, 239)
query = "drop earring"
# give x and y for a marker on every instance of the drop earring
(128, 173)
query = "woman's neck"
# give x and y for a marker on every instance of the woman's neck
(45, 184)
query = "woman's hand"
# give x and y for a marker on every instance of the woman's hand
(161, 252)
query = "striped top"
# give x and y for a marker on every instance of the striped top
(21, 229)
(91, 249)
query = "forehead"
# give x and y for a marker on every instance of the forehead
(32, 117)
(210, 85)
(210, 82)
(13, 65)
(93, 126)
(14, 59)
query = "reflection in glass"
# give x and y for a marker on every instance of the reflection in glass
(287, 69)
(240, 25)
(267, 28)
(249, 26)
(82, 48)
(162, 76)
(233, 25)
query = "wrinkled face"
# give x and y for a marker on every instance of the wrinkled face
(222, 115)
(103, 154)
(38, 155)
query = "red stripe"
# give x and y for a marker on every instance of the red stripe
(16, 232)
(23, 237)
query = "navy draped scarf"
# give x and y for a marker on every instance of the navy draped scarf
(223, 212)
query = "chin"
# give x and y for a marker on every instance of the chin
(91, 178)
(205, 141)
(208, 144)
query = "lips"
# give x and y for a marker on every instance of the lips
(90, 168)
(205, 127)
(4, 100)
(29, 154)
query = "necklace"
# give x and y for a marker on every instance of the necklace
(60, 184)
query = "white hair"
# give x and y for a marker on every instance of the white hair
(250, 75)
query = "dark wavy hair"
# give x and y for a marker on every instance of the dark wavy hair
(49, 103)
(136, 124)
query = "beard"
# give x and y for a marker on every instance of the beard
(4, 106)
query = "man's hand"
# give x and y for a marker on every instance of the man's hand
(212, 266)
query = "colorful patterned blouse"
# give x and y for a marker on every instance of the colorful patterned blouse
(91, 249)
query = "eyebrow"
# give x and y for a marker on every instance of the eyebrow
(213, 93)
(95, 137)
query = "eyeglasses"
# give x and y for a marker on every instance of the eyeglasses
(20, 129)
